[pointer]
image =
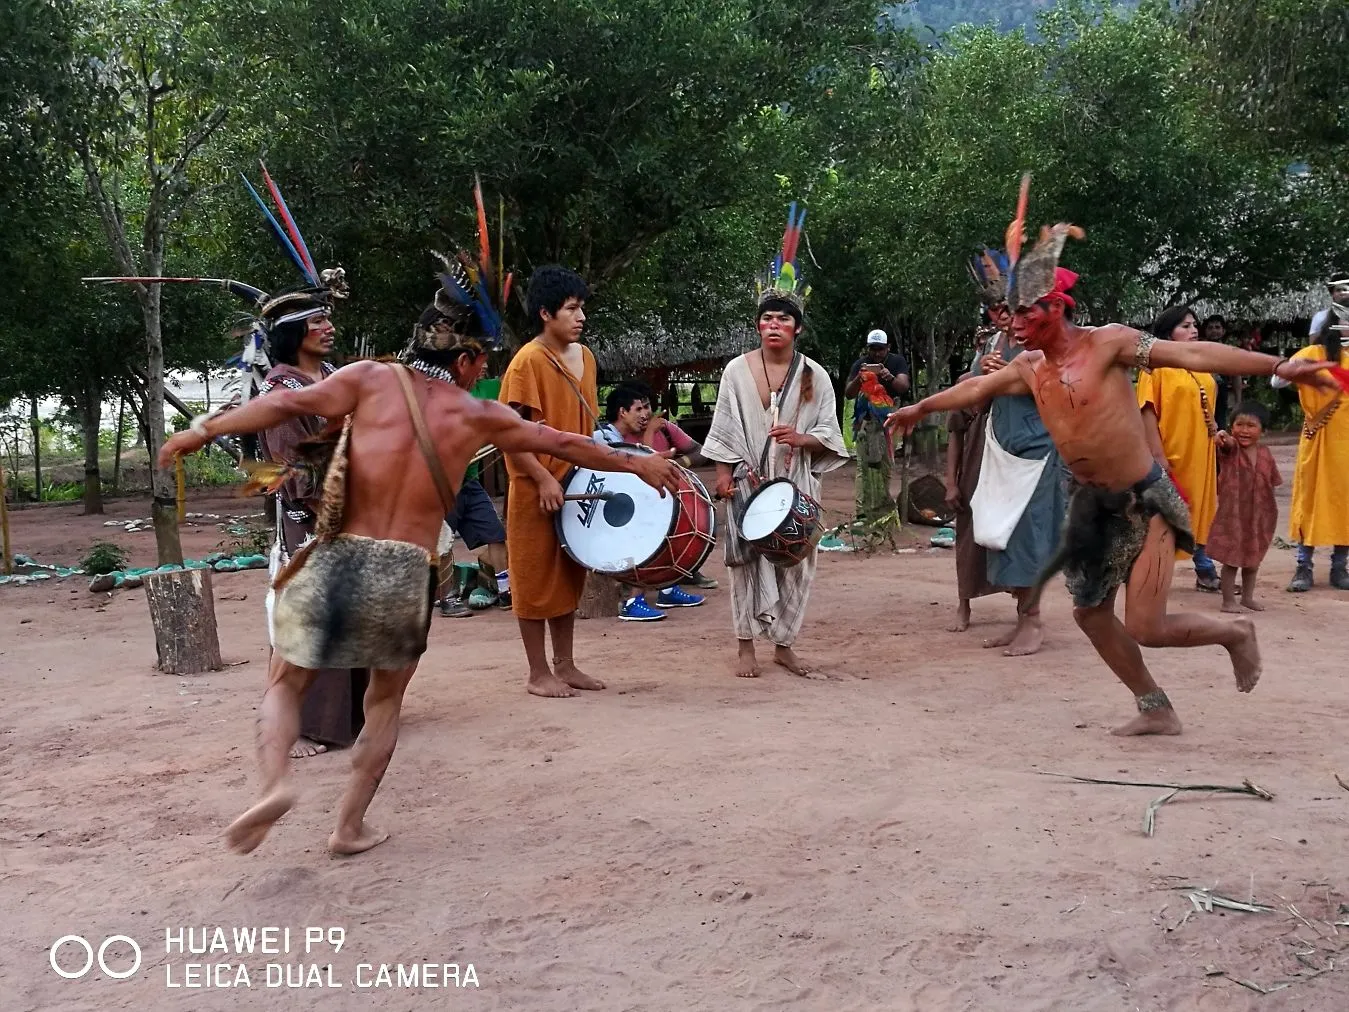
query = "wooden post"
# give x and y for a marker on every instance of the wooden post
(117, 449)
(182, 611)
(6, 559)
(180, 477)
(603, 597)
(904, 481)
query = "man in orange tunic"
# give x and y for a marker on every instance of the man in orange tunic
(552, 380)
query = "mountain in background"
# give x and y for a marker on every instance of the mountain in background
(942, 15)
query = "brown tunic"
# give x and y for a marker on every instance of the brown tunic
(332, 711)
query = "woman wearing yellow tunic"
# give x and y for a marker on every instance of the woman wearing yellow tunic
(1179, 405)
(1320, 513)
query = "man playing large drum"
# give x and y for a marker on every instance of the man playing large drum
(775, 413)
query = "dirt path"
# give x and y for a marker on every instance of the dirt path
(689, 840)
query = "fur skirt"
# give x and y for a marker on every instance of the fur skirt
(356, 602)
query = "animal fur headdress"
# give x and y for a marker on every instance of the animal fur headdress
(466, 311)
(1037, 275)
(782, 288)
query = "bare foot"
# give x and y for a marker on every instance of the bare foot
(1004, 640)
(1245, 656)
(575, 677)
(545, 683)
(304, 748)
(1231, 607)
(785, 657)
(962, 619)
(1163, 721)
(746, 664)
(340, 845)
(1029, 635)
(249, 829)
(1251, 604)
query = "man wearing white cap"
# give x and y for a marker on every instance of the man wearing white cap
(878, 380)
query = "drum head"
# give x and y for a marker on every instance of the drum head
(767, 508)
(615, 534)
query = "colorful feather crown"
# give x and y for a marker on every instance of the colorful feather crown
(473, 292)
(783, 282)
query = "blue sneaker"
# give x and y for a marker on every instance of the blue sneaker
(637, 610)
(674, 597)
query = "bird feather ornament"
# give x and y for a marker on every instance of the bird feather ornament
(784, 280)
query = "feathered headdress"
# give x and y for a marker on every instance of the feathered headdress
(989, 270)
(472, 294)
(316, 295)
(783, 283)
(1038, 275)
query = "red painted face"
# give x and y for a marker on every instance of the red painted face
(1034, 325)
(318, 337)
(777, 330)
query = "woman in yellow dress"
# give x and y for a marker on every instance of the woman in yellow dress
(1179, 406)
(1320, 512)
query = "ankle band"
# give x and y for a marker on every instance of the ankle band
(1154, 700)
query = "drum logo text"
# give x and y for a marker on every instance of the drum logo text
(589, 506)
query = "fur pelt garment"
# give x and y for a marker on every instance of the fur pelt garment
(356, 602)
(1105, 531)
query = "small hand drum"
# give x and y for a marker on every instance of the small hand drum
(781, 523)
(628, 531)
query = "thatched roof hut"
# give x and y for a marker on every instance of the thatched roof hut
(652, 351)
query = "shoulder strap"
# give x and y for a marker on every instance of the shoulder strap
(428, 449)
(571, 382)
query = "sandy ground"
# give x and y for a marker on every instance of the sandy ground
(685, 840)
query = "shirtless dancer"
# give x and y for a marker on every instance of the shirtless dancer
(362, 596)
(1125, 516)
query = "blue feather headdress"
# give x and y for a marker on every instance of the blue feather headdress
(467, 309)
(990, 270)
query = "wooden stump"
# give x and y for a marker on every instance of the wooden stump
(602, 598)
(182, 611)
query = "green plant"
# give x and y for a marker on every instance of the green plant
(247, 539)
(210, 469)
(103, 557)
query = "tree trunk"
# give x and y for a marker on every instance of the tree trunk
(602, 598)
(35, 424)
(91, 417)
(164, 504)
(182, 611)
(117, 446)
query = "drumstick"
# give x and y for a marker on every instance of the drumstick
(587, 496)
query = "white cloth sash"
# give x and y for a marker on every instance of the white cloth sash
(1006, 484)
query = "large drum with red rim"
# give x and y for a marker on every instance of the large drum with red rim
(632, 533)
(781, 523)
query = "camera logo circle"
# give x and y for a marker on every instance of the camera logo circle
(81, 943)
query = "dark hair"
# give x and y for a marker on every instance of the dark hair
(624, 396)
(549, 289)
(1170, 320)
(1329, 338)
(285, 340)
(1252, 409)
(781, 306)
(447, 358)
(1215, 318)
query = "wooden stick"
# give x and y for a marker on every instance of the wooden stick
(4, 525)
(587, 497)
(180, 475)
